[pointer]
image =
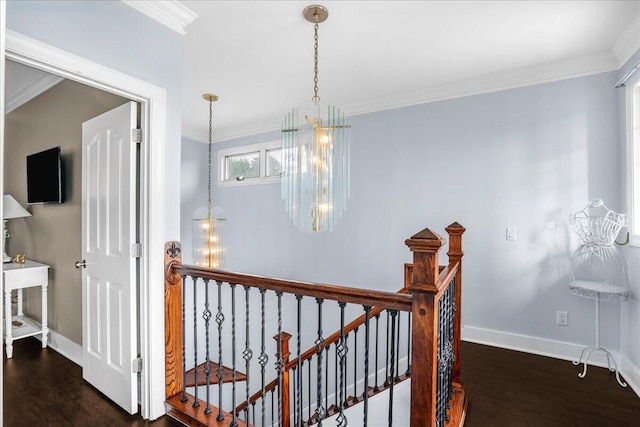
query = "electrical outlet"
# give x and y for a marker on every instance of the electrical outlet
(511, 233)
(562, 318)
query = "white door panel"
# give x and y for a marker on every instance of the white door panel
(110, 277)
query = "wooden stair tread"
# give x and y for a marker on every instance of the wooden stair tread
(227, 374)
(185, 413)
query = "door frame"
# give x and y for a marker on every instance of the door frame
(153, 100)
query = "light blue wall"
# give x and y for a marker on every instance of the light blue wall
(113, 34)
(523, 158)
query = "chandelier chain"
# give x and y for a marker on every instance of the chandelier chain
(315, 98)
(209, 165)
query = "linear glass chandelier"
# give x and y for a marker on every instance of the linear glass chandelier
(208, 221)
(315, 153)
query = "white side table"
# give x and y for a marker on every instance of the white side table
(17, 277)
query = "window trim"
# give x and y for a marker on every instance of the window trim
(632, 103)
(262, 148)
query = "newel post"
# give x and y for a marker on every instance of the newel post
(173, 337)
(282, 339)
(425, 246)
(455, 254)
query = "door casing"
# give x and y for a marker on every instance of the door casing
(153, 100)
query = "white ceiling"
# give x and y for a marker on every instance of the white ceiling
(374, 55)
(258, 55)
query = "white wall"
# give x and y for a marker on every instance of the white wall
(524, 158)
(630, 314)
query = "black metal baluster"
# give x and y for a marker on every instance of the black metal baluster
(355, 366)
(299, 364)
(264, 358)
(336, 377)
(234, 422)
(326, 379)
(375, 386)
(280, 360)
(386, 368)
(397, 379)
(309, 389)
(253, 407)
(346, 375)
(247, 354)
(207, 364)
(320, 410)
(273, 411)
(342, 350)
(295, 393)
(365, 395)
(196, 402)
(220, 374)
(394, 313)
(184, 353)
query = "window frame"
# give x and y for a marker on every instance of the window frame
(632, 103)
(262, 148)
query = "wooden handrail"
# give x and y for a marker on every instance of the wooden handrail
(344, 294)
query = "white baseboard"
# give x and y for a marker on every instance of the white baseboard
(551, 348)
(64, 346)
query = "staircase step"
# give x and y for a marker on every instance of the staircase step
(185, 413)
(213, 375)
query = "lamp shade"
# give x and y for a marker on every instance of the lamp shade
(12, 209)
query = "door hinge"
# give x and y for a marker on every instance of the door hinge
(136, 365)
(136, 135)
(136, 250)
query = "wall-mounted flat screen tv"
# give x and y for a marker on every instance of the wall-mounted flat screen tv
(44, 177)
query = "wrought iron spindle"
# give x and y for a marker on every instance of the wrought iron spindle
(309, 390)
(207, 364)
(184, 345)
(273, 406)
(295, 393)
(320, 343)
(326, 378)
(394, 313)
(247, 354)
(375, 386)
(335, 384)
(263, 359)
(346, 375)
(342, 350)
(299, 364)
(196, 402)
(386, 368)
(234, 422)
(280, 361)
(355, 366)
(397, 379)
(365, 394)
(441, 363)
(220, 374)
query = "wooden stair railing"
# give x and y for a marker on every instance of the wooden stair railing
(437, 396)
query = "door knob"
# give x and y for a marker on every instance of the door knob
(82, 264)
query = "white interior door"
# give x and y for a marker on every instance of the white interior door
(109, 276)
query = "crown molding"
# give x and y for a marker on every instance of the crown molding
(629, 41)
(167, 12)
(528, 76)
(35, 88)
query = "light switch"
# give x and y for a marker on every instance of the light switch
(511, 233)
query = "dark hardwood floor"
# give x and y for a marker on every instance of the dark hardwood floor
(515, 389)
(508, 389)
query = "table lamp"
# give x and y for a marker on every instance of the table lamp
(11, 209)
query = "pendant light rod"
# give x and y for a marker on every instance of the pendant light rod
(315, 14)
